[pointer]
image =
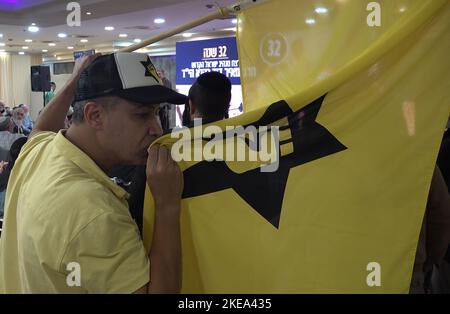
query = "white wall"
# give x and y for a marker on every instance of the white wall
(21, 78)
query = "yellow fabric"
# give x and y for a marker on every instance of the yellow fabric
(387, 100)
(62, 208)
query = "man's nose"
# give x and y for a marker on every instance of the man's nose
(155, 129)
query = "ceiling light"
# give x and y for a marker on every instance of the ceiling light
(1, 35)
(159, 20)
(28, 40)
(44, 50)
(62, 35)
(310, 21)
(84, 41)
(52, 44)
(109, 28)
(59, 58)
(33, 29)
(21, 53)
(234, 21)
(321, 10)
(2, 44)
(137, 40)
(33, 24)
(123, 35)
(70, 47)
(88, 13)
(2, 50)
(25, 47)
(187, 35)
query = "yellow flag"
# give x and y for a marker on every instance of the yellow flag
(361, 110)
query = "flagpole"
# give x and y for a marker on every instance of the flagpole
(221, 13)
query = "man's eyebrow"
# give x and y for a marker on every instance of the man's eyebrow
(144, 108)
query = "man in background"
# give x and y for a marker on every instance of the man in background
(27, 121)
(209, 100)
(49, 95)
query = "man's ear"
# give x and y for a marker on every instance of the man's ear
(94, 115)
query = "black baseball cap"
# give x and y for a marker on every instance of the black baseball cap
(128, 75)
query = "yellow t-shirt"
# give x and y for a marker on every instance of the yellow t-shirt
(66, 223)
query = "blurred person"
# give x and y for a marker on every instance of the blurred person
(209, 99)
(2, 108)
(18, 119)
(434, 235)
(50, 94)
(27, 121)
(7, 138)
(6, 168)
(164, 110)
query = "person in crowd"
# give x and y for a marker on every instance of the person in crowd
(18, 119)
(82, 216)
(2, 109)
(69, 115)
(7, 138)
(27, 121)
(440, 281)
(164, 110)
(434, 235)
(50, 94)
(209, 99)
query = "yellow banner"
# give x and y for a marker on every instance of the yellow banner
(361, 111)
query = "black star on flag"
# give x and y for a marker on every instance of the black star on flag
(150, 69)
(264, 191)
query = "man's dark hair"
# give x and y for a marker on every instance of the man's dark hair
(78, 107)
(211, 95)
(52, 83)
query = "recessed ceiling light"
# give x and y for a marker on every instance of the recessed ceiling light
(25, 47)
(59, 58)
(70, 47)
(2, 50)
(21, 53)
(187, 35)
(234, 21)
(62, 35)
(44, 50)
(159, 20)
(1, 35)
(123, 35)
(137, 40)
(310, 21)
(321, 10)
(33, 28)
(33, 24)
(52, 44)
(88, 13)
(2, 44)
(109, 28)
(28, 40)
(84, 41)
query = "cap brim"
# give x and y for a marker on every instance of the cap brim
(151, 95)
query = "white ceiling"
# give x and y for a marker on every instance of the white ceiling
(133, 17)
